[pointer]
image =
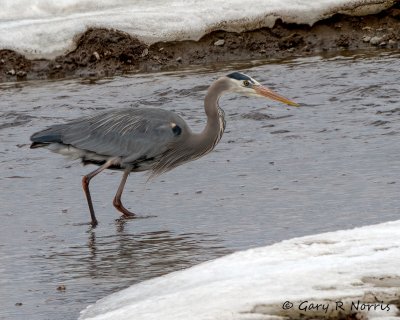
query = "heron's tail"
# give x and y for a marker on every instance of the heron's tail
(46, 137)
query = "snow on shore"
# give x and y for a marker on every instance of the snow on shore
(44, 28)
(347, 271)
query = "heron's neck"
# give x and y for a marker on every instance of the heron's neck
(215, 126)
(199, 144)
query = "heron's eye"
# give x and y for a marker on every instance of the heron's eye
(246, 83)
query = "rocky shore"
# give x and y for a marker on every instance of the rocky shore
(106, 52)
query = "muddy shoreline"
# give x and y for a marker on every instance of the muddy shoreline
(106, 52)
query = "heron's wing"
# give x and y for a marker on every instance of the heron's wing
(132, 134)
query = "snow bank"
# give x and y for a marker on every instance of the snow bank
(45, 28)
(359, 268)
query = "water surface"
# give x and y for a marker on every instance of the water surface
(278, 173)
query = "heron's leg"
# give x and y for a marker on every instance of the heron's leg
(117, 199)
(85, 184)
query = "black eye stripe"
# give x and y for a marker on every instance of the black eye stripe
(238, 76)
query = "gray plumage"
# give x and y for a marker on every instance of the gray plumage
(144, 138)
(139, 137)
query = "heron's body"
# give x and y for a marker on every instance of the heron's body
(139, 137)
(144, 139)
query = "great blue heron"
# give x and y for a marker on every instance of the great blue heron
(145, 138)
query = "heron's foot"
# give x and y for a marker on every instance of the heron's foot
(94, 223)
(122, 220)
(128, 215)
(79, 224)
(125, 212)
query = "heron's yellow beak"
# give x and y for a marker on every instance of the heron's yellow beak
(268, 93)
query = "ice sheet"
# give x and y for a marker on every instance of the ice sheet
(45, 28)
(347, 266)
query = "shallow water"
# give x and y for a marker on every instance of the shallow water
(277, 173)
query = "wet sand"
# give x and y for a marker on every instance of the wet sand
(102, 52)
(277, 173)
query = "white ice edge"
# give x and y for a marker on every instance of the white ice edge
(44, 28)
(350, 265)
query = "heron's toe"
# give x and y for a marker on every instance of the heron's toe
(125, 212)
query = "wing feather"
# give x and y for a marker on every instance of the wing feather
(131, 134)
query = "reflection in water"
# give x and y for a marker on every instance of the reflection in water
(107, 263)
(126, 255)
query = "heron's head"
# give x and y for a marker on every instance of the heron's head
(246, 85)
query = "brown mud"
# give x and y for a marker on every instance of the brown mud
(106, 52)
